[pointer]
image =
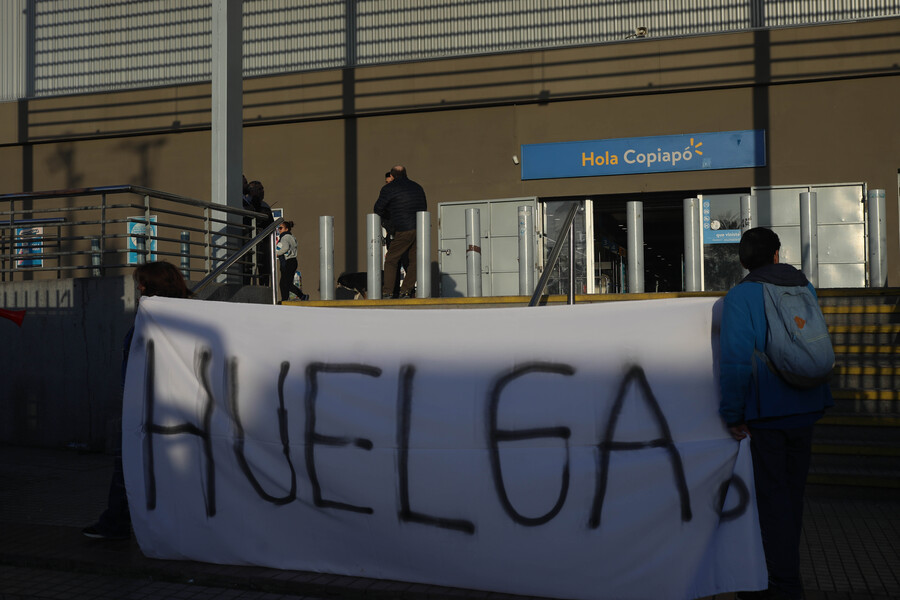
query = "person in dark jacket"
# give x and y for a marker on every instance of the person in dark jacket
(757, 403)
(254, 193)
(151, 279)
(398, 202)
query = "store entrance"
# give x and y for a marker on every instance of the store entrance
(663, 238)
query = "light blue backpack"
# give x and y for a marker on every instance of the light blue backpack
(798, 347)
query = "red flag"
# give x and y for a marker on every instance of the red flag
(16, 316)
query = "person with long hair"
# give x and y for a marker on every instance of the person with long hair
(151, 279)
(286, 251)
(160, 279)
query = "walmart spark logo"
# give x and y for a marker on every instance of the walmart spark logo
(693, 147)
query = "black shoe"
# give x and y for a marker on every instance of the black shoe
(407, 295)
(97, 533)
(304, 297)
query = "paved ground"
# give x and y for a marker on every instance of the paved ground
(851, 548)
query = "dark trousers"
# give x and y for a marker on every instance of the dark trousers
(403, 241)
(286, 282)
(116, 519)
(780, 465)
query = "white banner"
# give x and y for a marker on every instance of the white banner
(570, 452)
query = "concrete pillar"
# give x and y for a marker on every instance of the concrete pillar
(635, 223)
(473, 253)
(809, 237)
(423, 254)
(227, 110)
(693, 246)
(375, 260)
(526, 250)
(877, 239)
(326, 258)
(749, 216)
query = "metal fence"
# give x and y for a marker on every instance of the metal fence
(53, 47)
(102, 230)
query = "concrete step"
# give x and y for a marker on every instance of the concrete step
(852, 296)
(866, 402)
(866, 349)
(879, 376)
(862, 314)
(865, 335)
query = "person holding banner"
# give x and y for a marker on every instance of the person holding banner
(152, 279)
(776, 416)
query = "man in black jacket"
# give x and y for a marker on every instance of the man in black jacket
(399, 201)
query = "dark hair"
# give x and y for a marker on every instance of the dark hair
(288, 224)
(161, 279)
(758, 247)
(398, 171)
(388, 174)
(256, 191)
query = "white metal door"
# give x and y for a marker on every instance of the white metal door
(499, 245)
(841, 221)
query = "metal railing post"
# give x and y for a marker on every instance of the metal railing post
(148, 244)
(186, 255)
(877, 239)
(102, 230)
(326, 258)
(809, 237)
(693, 246)
(207, 239)
(571, 296)
(748, 218)
(473, 253)
(271, 247)
(423, 254)
(141, 250)
(95, 257)
(374, 258)
(254, 262)
(634, 220)
(526, 250)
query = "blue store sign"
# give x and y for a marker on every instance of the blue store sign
(656, 154)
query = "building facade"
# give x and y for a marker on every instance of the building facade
(461, 94)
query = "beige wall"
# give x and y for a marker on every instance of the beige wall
(826, 97)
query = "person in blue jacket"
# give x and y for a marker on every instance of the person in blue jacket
(777, 418)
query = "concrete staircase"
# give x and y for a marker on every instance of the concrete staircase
(857, 443)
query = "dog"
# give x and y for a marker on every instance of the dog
(358, 283)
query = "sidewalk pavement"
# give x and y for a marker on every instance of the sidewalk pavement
(850, 550)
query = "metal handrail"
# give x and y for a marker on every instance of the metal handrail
(554, 256)
(93, 220)
(268, 231)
